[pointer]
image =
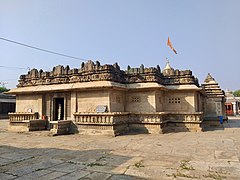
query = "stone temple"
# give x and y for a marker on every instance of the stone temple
(103, 99)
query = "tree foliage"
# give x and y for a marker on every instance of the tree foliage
(3, 89)
(236, 93)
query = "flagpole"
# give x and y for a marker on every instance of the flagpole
(167, 60)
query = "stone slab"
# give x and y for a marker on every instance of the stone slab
(184, 155)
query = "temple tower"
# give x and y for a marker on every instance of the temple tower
(214, 100)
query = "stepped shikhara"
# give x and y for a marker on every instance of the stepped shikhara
(215, 101)
(104, 99)
(212, 88)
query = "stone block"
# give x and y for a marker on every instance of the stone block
(60, 127)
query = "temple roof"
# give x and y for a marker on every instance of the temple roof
(229, 94)
(210, 79)
(168, 70)
(168, 66)
(6, 98)
(212, 88)
(90, 71)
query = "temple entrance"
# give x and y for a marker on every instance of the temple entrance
(229, 109)
(58, 108)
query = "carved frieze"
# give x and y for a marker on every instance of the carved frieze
(91, 71)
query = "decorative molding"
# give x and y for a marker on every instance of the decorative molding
(91, 71)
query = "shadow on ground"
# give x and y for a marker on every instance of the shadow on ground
(231, 123)
(52, 163)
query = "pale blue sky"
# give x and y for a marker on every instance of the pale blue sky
(206, 34)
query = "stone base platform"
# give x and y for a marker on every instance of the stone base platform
(4, 116)
(60, 127)
(212, 124)
(27, 125)
(147, 128)
(182, 127)
(102, 129)
(114, 123)
(118, 123)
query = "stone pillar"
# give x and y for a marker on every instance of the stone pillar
(234, 108)
(40, 106)
(73, 104)
(65, 107)
(237, 107)
(43, 105)
(51, 108)
(224, 109)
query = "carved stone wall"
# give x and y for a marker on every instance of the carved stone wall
(91, 71)
(117, 123)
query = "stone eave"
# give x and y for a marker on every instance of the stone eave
(191, 87)
(215, 95)
(99, 85)
(231, 100)
(147, 85)
(4, 95)
(210, 83)
(8, 100)
(67, 87)
(84, 86)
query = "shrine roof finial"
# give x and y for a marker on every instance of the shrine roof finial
(167, 65)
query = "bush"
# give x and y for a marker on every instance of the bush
(236, 93)
(3, 89)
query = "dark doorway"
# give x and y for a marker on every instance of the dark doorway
(58, 109)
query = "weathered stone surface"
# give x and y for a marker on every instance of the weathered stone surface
(91, 71)
(214, 101)
(144, 99)
(212, 88)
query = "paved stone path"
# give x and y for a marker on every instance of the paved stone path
(210, 155)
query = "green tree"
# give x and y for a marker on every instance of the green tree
(236, 93)
(3, 89)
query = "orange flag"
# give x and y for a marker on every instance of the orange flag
(170, 45)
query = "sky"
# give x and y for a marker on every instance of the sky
(205, 33)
